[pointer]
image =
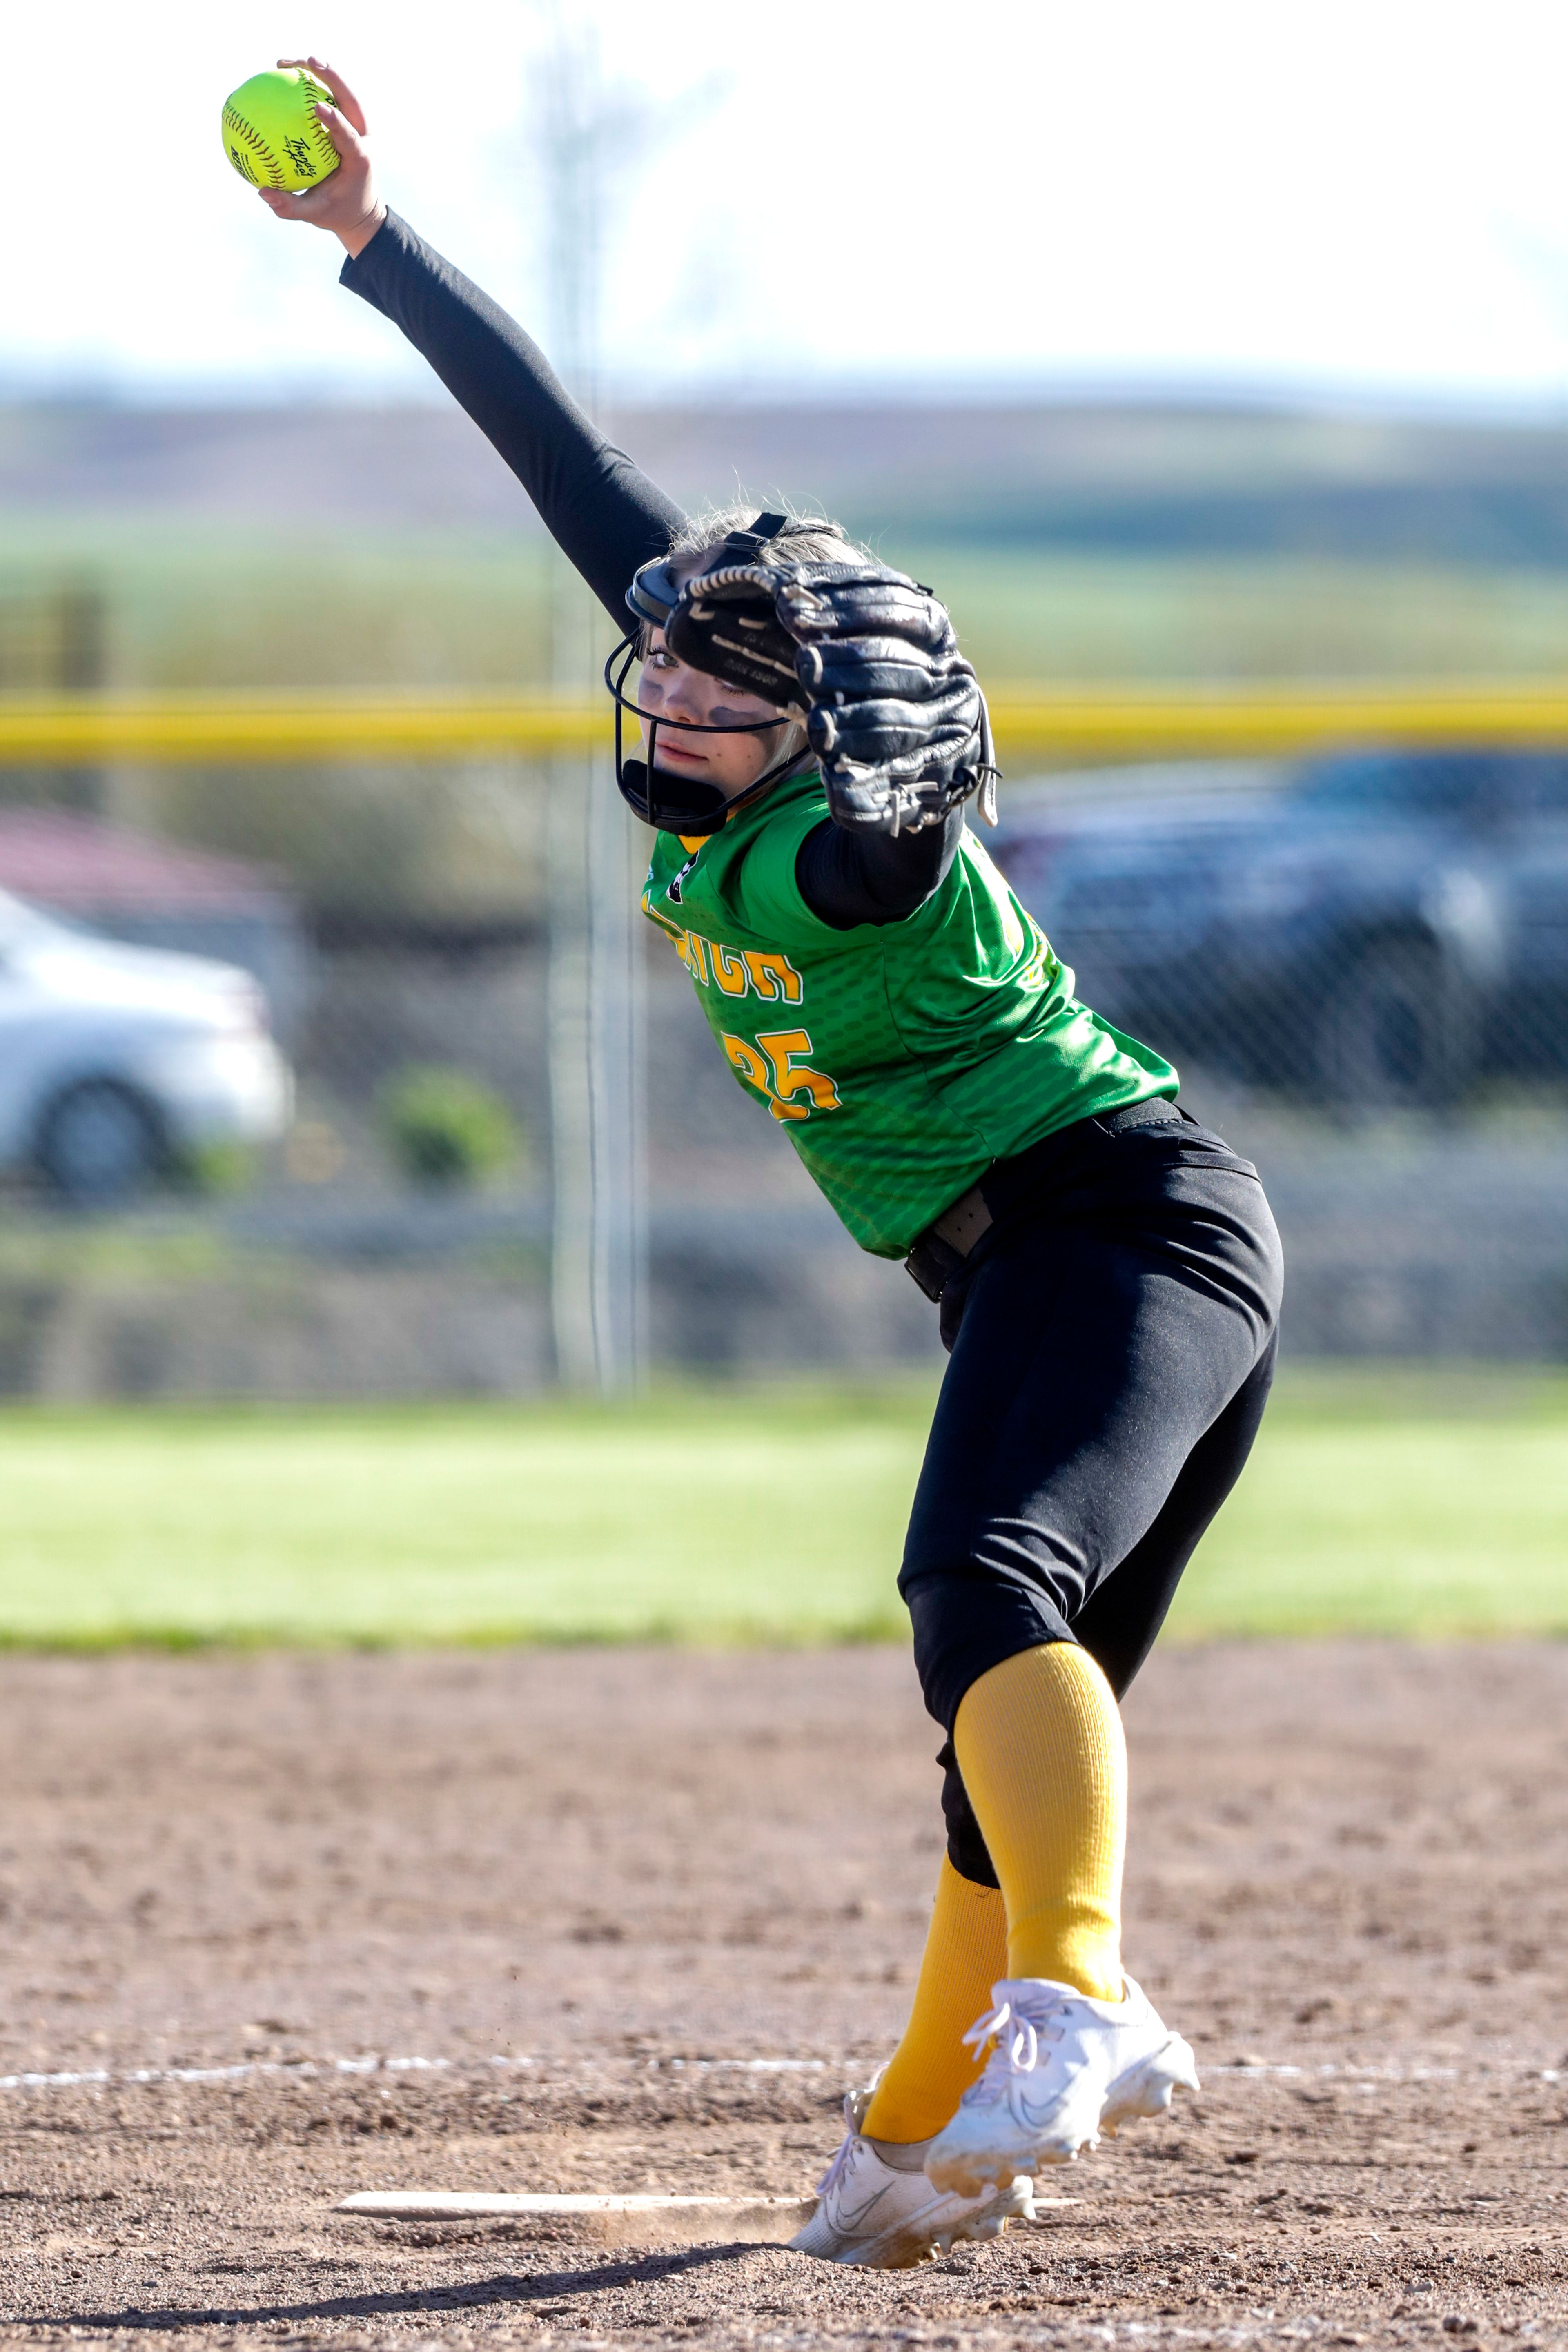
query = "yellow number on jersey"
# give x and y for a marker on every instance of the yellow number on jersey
(778, 1078)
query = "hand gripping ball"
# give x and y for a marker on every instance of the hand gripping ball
(270, 133)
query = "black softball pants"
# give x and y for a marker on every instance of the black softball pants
(1112, 1346)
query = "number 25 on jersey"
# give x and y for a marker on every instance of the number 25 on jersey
(790, 1090)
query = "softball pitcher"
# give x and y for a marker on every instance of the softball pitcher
(1107, 1274)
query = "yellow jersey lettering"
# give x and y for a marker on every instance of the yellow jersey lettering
(728, 968)
(774, 976)
(691, 956)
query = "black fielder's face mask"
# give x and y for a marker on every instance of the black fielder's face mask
(675, 803)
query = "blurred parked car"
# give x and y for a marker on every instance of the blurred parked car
(152, 892)
(119, 1064)
(1376, 930)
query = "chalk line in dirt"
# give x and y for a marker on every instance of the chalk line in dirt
(307, 2069)
(303, 2069)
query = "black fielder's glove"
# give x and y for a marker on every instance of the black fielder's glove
(894, 711)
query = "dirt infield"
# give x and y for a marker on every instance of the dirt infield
(631, 1876)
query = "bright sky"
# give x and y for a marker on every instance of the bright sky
(1368, 196)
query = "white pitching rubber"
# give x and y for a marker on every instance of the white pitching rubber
(766, 2221)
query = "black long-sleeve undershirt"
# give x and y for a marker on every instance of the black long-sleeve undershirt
(873, 877)
(608, 517)
(604, 514)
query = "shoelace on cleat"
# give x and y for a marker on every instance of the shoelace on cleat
(840, 2164)
(1016, 2052)
(855, 2105)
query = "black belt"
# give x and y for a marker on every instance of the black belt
(947, 1242)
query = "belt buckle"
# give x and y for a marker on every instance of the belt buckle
(962, 1225)
(942, 1250)
(932, 1263)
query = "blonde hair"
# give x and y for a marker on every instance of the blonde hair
(806, 537)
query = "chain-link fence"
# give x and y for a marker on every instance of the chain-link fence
(1358, 963)
(480, 1142)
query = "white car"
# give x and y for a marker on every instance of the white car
(118, 1063)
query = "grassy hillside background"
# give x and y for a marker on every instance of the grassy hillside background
(296, 546)
(192, 603)
(390, 546)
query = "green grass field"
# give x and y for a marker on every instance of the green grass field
(1376, 1502)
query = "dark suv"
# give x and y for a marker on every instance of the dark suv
(1378, 929)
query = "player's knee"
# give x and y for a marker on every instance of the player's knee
(965, 1620)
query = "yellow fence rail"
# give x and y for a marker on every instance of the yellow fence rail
(1100, 721)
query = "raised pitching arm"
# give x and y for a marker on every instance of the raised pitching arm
(601, 511)
(607, 517)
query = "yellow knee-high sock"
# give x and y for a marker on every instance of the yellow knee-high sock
(1041, 1747)
(966, 1951)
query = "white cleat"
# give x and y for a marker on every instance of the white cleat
(885, 2220)
(1063, 2069)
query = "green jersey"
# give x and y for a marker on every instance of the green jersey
(900, 1058)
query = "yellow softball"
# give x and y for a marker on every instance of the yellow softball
(270, 133)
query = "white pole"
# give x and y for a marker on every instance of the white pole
(619, 1221)
(571, 1107)
(599, 1247)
